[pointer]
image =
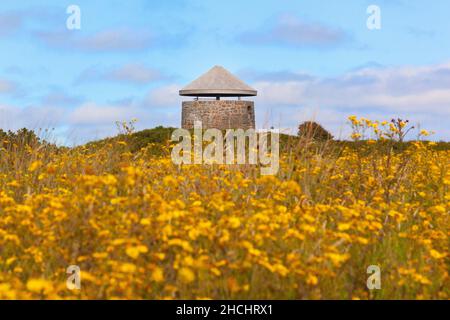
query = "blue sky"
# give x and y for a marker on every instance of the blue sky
(307, 59)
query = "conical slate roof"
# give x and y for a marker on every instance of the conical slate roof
(217, 82)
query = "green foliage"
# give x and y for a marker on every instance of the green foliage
(154, 140)
(141, 139)
(157, 140)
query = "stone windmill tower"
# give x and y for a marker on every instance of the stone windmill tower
(208, 107)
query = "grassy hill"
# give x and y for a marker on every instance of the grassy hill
(160, 137)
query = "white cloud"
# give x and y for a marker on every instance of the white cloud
(91, 121)
(44, 117)
(165, 96)
(92, 114)
(10, 23)
(120, 39)
(7, 86)
(59, 98)
(291, 31)
(420, 94)
(134, 73)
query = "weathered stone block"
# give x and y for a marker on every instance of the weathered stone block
(219, 114)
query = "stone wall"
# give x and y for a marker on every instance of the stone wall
(219, 114)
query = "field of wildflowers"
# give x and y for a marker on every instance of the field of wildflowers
(139, 226)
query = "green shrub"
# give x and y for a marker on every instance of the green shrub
(313, 130)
